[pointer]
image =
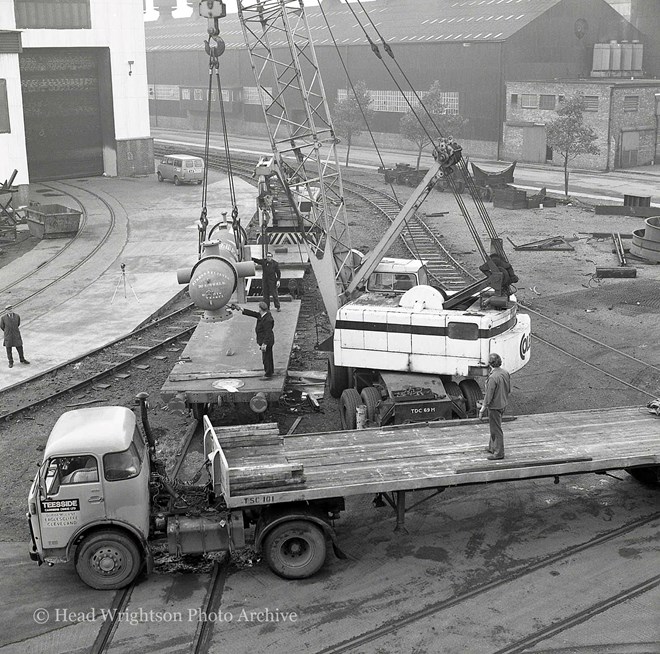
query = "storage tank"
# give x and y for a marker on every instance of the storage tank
(601, 60)
(637, 55)
(615, 56)
(626, 56)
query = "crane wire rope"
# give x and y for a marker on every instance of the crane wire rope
(414, 247)
(376, 51)
(214, 48)
(461, 165)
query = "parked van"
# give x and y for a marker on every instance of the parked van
(181, 169)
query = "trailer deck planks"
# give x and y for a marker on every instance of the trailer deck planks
(450, 453)
(220, 353)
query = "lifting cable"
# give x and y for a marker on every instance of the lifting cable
(413, 248)
(461, 165)
(215, 47)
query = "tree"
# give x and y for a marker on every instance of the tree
(421, 130)
(348, 120)
(569, 135)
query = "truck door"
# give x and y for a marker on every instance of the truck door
(70, 496)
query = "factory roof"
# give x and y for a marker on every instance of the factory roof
(400, 21)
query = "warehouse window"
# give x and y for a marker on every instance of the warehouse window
(547, 102)
(397, 102)
(251, 94)
(52, 14)
(529, 101)
(590, 102)
(185, 94)
(5, 127)
(514, 99)
(198, 94)
(166, 92)
(631, 103)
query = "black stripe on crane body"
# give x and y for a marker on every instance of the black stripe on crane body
(418, 330)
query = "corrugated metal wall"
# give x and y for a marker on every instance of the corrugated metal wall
(52, 14)
(62, 112)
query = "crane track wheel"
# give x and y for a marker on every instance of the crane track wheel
(338, 380)
(371, 398)
(349, 401)
(472, 393)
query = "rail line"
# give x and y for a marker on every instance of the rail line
(391, 627)
(422, 243)
(84, 220)
(41, 385)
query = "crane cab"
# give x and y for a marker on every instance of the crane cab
(397, 275)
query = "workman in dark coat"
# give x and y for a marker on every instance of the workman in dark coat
(270, 280)
(264, 332)
(498, 387)
(9, 323)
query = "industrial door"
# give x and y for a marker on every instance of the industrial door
(62, 109)
(629, 149)
(534, 144)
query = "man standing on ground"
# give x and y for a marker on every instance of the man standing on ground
(9, 323)
(264, 332)
(270, 279)
(498, 387)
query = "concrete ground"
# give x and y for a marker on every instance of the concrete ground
(71, 294)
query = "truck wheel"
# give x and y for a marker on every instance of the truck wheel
(176, 181)
(349, 401)
(487, 194)
(295, 549)
(472, 394)
(160, 177)
(337, 379)
(371, 398)
(108, 560)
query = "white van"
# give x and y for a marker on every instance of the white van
(181, 169)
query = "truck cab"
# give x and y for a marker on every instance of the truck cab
(89, 502)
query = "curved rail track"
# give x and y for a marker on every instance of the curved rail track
(79, 236)
(94, 366)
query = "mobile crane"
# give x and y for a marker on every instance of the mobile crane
(404, 349)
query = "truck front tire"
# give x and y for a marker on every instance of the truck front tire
(108, 560)
(295, 549)
(338, 380)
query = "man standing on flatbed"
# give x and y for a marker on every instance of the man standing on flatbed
(270, 279)
(498, 387)
(264, 334)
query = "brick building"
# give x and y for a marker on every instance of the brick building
(624, 114)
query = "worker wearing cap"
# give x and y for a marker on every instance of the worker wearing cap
(498, 387)
(9, 323)
(264, 333)
(270, 279)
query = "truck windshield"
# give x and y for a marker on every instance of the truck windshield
(123, 465)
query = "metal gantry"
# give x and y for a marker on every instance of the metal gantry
(302, 137)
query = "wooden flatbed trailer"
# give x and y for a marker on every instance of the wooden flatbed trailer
(222, 362)
(298, 479)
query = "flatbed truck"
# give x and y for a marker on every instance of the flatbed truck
(102, 499)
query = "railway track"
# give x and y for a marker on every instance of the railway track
(422, 243)
(91, 368)
(72, 243)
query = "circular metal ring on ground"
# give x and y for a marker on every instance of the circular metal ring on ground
(646, 242)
